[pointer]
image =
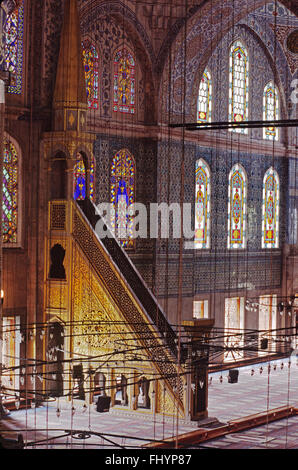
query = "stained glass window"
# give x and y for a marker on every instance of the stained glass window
(270, 211)
(92, 182)
(202, 208)
(91, 67)
(122, 196)
(270, 110)
(10, 194)
(237, 208)
(124, 82)
(238, 85)
(204, 106)
(13, 47)
(79, 180)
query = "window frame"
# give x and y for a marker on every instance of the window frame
(233, 48)
(20, 202)
(243, 246)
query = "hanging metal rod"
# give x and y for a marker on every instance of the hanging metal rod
(194, 126)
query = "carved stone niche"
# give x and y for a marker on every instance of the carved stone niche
(57, 270)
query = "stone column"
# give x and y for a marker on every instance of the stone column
(199, 332)
(6, 7)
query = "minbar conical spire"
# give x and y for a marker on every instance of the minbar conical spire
(70, 99)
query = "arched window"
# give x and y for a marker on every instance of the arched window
(121, 397)
(91, 67)
(80, 178)
(202, 207)
(143, 396)
(238, 85)
(10, 194)
(55, 354)
(204, 105)
(270, 110)
(270, 210)
(99, 384)
(234, 323)
(237, 208)
(124, 82)
(122, 196)
(13, 47)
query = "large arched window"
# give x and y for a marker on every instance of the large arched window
(124, 82)
(80, 179)
(91, 67)
(270, 210)
(122, 196)
(270, 110)
(237, 207)
(238, 85)
(204, 105)
(202, 207)
(13, 47)
(10, 194)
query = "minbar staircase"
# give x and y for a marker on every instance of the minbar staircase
(133, 278)
(126, 287)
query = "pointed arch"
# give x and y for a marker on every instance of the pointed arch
(91, 68)
(80, 178)
(204, 103)
(143, 399)
(121, 397)
(270, 209)
(10, 202)
(122, 196)
(237, 207)
(270, 110)
(202, 205)
(238, 85)
(124, 82)
(13, 47)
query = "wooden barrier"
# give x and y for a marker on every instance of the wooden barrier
(202, 435)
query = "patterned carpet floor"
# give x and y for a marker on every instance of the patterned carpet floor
(256, 391)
